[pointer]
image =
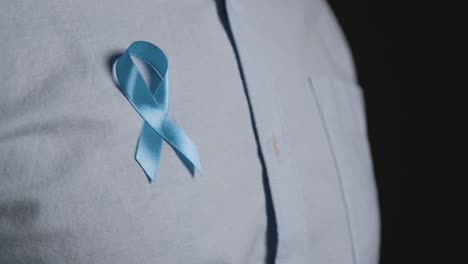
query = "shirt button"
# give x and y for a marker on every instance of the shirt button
(276, 148)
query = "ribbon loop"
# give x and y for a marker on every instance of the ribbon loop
(152, 104)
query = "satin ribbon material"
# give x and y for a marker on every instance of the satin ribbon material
(152, 103)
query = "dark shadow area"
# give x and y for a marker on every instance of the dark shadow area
(271, 233)
(21, 241)
(18, 213)
(403, 52)
(111, 58)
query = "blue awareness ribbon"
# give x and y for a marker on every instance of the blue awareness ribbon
(152, 104)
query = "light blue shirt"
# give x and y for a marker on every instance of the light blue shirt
(265, 89)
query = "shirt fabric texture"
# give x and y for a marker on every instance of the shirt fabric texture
(268, 93)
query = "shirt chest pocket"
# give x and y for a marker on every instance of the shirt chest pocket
(341, 107)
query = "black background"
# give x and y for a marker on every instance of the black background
(406, 57)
